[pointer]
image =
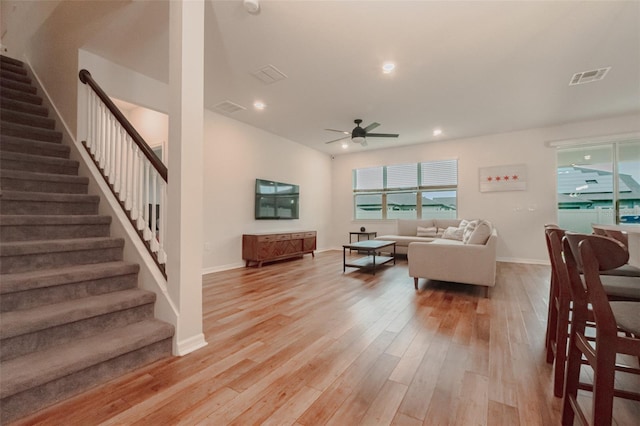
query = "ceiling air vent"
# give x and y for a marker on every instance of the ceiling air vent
(269, 74)
(228, 107)
(588, 76)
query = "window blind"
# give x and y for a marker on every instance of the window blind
(402, 176)
(439, 173)
(369, 178)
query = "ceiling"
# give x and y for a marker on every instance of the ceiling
(469, 68)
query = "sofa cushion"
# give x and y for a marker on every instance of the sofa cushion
(468, 230)
(410, 226)
(452, 233)
(431, 231)
(481, 233)
(403, 240)
(445, 223)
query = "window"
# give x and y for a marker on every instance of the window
(406, 191)
(598, 184)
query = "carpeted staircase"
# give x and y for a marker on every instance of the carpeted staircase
(71, 315)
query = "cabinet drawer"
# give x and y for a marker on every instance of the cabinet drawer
(297, 236)
(309, 234)
(281, 237)
(266, 238)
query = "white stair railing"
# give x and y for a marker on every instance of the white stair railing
(135, 174)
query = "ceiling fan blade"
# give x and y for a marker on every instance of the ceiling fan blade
(339, 139)
(339, 131)
(371, 126)
(383, 135)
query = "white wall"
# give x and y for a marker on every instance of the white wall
(519, 216)
(235, 154)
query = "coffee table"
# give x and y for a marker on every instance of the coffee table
(371, 247)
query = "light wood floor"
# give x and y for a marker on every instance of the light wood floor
(299, 342)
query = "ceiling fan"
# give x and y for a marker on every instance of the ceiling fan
(360, 134)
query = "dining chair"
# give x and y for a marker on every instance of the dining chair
(625, 270)
(560, 299)
(596, 253)
(559, 309)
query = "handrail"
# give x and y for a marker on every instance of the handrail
(133, 172)
(85, 77)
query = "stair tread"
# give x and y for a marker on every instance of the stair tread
(21, 281)
(35, 144)
(10, 75)
(38, 158)
(10, 60)
(24, 219)
(21, 248)
(37, 368)
(27, 128)
(19, 106)
(26, 118)
(22, 96)
(18, 85)
(15, 323)
(45, 177)
(46, 196)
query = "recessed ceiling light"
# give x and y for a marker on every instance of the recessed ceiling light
(345, 145)
(388, 67)
(587, 157)
(437, 132)
(259, 105)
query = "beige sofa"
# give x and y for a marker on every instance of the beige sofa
(471, 261)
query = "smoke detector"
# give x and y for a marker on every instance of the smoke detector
(252, 6)
(588, 76)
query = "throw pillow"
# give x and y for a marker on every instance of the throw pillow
(468, 230)
(481, 233)
(427, 232)
(452, 233)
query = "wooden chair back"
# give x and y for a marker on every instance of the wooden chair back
(614, 254)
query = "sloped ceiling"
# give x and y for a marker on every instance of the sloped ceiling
(469, 68)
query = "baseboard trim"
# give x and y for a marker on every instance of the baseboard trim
(189, 345)
(229, 266)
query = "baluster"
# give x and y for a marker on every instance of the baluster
(89, 116)
(117, 162)
(141, 192)
(108, 147)
(127, 174)
(145, 190)
(94, 124)
(135, 185)
(162, 255)
(96, 155)
(154, 211)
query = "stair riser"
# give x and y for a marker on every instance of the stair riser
(63, 334)
(13, 67)
(20, 96)
(11, 184)
(29, 401)
(24, 146)
(18, 85)
(58, 167)
(51, 232)
(47, 208)
(28, 119)
(32, 109)
(39, 261)
(32, 133)
(60, 293)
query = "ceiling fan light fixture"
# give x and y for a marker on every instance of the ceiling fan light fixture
(358, 139)
(437, 132)
(388, 67)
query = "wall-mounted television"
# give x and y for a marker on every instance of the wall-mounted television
(276, 200)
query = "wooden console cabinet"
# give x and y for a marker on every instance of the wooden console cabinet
(260, 248)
